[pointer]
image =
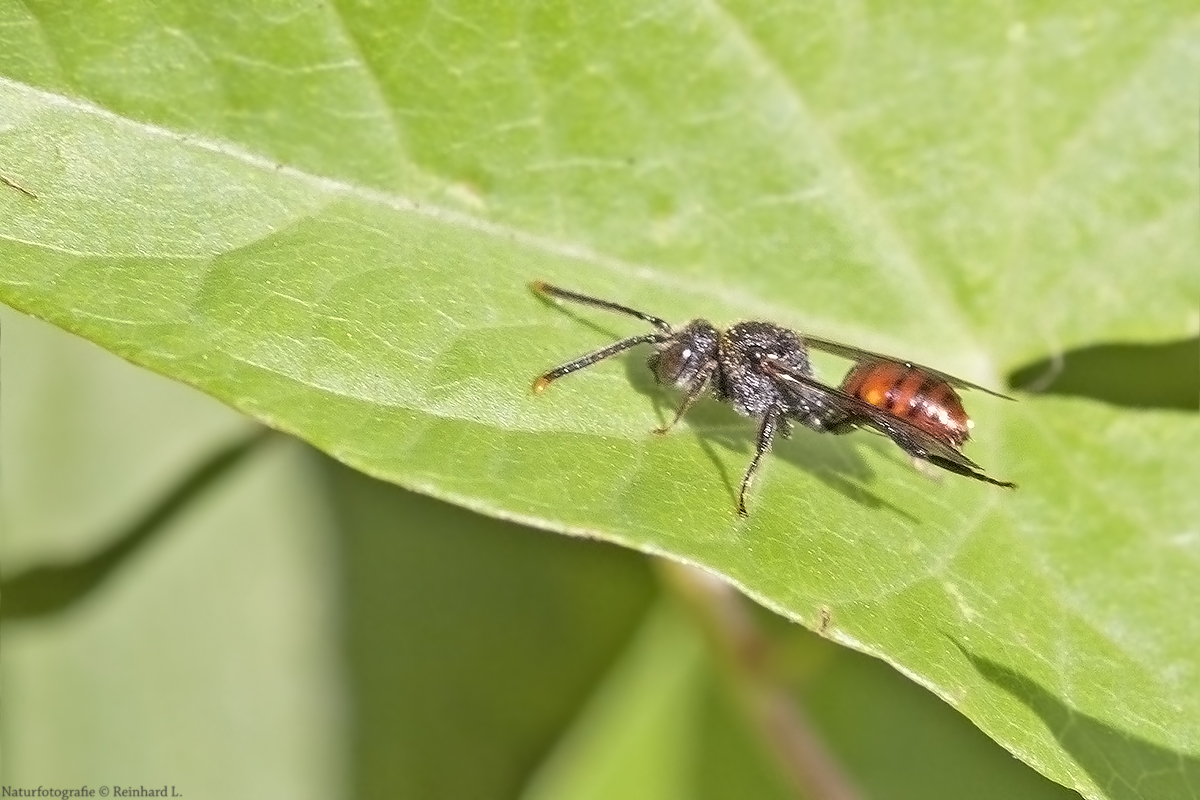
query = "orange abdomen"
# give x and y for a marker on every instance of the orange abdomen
(923, 400)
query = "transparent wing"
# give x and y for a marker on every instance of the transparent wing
(908, 437)
(866, 356)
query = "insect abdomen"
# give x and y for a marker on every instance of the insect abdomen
(924, 400)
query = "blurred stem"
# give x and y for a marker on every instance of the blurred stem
(798, 749)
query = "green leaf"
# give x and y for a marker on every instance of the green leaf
(644, 734)
(401, 636)
(326, 217)
(213, 633)
(468, 640)
(49, 590)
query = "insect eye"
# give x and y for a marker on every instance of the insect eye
(677, 362)
(670, 363)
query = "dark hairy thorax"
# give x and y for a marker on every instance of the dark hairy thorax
(743, 381)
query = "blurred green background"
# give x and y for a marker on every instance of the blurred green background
(298, 630)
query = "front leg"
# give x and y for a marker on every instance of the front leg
(695, 389)
(611, 350)
(771, 422)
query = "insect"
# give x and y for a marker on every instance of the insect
(922, 396)
(763, 371)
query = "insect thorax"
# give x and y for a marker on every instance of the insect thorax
(744, 348)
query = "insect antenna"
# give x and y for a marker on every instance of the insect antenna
(665, 332)
(543, 288)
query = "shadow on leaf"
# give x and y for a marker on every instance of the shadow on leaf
(1131, 375)
(833, 462)
(1128, 768)
(46, 590)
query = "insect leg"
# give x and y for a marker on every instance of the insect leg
(591, 358)
(695, 389)
(766, 433)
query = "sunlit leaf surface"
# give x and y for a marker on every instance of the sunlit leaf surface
(327, 216)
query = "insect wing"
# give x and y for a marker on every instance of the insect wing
(907, 436)
(911, 438)
(866, 357)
